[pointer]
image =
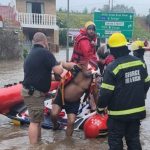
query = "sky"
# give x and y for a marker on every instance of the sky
(141, 6)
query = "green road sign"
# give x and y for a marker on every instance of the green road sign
(108, 23)
(107, 33)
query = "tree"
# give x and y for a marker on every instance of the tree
(122, 8)
(85, 11)
(63, 37)
(148, 19)
(93, 10)
(60, 10)
(118, 8)
(106, 8)
(9, 45)
(61, 22)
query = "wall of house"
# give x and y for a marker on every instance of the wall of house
(52, 37)
(21, 5)
(56, 37)
(49, 8)
(49, 5)
(53, 40)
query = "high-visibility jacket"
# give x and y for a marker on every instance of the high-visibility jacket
(124, 87)
(84, 48)
(139, 53)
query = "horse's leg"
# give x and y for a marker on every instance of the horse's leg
(70, 124)
(94, 92)
(56, 109)
(92, 102)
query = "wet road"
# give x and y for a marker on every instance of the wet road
(16, 138)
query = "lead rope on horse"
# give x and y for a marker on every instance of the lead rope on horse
(62, 91)
(64, 81)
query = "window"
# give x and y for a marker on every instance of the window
(35, 7)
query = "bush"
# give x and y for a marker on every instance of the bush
(63, 37)
(25, 53)
(9, 47)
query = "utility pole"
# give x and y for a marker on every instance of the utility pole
(109, 4)
(67, 48)
(112, 5)
(149, 22)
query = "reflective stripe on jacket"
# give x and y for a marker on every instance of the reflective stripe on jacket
(124, 88)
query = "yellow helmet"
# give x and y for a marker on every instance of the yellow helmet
(117, 40)
(136, 45)
(88, 24)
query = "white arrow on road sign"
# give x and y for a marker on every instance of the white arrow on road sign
(129, 26)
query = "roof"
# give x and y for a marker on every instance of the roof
(8, 15)
(7, 12)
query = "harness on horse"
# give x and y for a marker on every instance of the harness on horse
(69, 78)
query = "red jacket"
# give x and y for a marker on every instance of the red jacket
(84, 48)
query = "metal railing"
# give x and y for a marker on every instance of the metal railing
(31, 19)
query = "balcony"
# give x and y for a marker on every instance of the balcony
(33, 20)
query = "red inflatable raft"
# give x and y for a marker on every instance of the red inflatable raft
(11, 95)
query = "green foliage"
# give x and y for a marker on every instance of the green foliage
(9, 47)
(118, 8)
(148, 20)
(62, 20)
(139, 30)
(25, 53)
(85, 11)
(63, 37)
(77, 20)
(105, 8)
(123, 9)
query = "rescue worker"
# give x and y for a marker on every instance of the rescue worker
(84, 53)
(104, 58)
(85, 45)
(123, 92)
(146, 44)
(138, 48)
(37, 82)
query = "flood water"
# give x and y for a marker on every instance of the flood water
(16, 137)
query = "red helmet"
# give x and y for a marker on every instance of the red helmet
(94, 125)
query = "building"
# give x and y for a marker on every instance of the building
(1, 22)
(38, 15)
(31, 16)
(8, 12)
(8, 15)
(72, 34)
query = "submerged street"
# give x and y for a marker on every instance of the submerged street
(15, 137)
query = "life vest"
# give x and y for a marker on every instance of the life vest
(78, 53)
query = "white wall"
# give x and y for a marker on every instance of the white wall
(1, 24)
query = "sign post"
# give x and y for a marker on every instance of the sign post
(108, 23)
(67, 47)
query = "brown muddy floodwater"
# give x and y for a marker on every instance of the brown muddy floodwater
(16, 137)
